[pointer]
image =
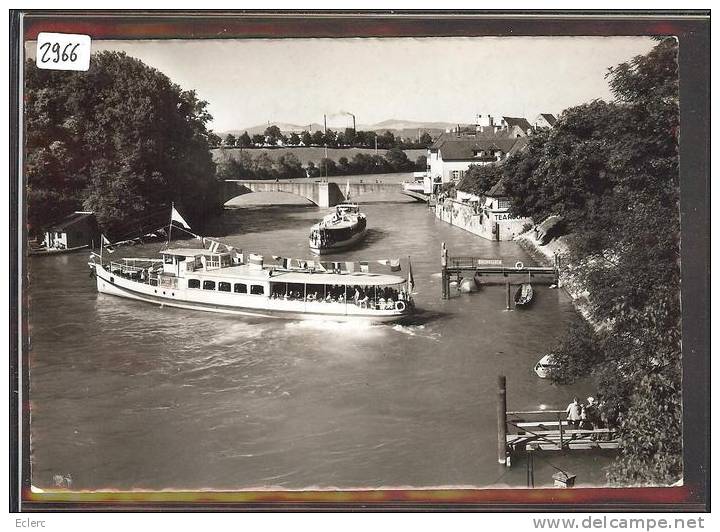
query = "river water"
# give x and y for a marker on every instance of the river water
(128, 395)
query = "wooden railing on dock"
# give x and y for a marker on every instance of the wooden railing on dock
(492, 271)
(544, 430)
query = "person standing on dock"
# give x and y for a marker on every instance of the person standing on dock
(574, 414)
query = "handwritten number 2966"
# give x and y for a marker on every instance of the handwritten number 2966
(53, 52)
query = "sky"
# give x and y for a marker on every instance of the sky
(452, 79)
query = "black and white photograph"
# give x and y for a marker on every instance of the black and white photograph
(377, 263)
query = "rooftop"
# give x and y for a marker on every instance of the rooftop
(550, 118)
(302, 277)
(72, 219)
(464, 148)
(497, 190)
(520, 122)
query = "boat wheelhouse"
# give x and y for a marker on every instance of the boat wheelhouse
(340, 230)
(230, 282)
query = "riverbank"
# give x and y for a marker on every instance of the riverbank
(568, 278)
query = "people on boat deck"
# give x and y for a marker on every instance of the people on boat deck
(379, 298)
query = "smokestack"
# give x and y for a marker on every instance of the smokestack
(354, 130)
(325, 124)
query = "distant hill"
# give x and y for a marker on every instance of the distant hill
(284, 127)
(403, 128)
(394, 124)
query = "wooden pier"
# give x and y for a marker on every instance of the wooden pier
(492, 271)
(543, 430)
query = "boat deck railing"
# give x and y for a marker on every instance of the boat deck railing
(138, 270)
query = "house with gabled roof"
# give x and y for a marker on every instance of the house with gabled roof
(77, 230)
(516, 126)
(545, 121)
(451, 155)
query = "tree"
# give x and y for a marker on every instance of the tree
(398, 160)
(349, 136)
(479, 178)
(611, 169)
(288, 165)
(230, 140)
(387, 140)
(236, 166)
(306, 138)
(294, 139)
(272, 135)
(421, 163)
(318, 138)
(425, 140)
(312, 170)
(244, 141)
(214, 140)
(258, 140)
(121, 140)
(263, 166)
(331, 138)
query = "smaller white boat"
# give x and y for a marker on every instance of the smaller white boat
(546, 365)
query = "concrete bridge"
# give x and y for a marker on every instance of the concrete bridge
(321, 193)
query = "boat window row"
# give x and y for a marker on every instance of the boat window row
(223, 286)
(377, 297)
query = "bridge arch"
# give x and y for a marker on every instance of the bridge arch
(236, 188)
(321, 193)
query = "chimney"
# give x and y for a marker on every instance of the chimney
(354, 130)
(325, 124)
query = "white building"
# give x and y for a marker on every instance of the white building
(545, 121)
(451, 155)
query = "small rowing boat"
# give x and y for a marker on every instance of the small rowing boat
(524, 295)
(545, 366)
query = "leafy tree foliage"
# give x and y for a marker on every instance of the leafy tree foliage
(479, 178)
(611, 169)
(214, 140)
(120, 139)
(294, 139)
(244, 140)
(230, 140)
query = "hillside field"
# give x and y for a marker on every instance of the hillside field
(305, 154)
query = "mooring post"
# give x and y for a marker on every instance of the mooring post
(530, 469)
(444, 274)
(507, 295)
(501, 420)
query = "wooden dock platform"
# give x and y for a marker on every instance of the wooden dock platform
(544, 430)
(492, 271)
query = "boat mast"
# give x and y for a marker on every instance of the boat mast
(325, 139)
(172, 208)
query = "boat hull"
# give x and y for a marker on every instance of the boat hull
(107, 283)
(524, 296)
(339, 246)
(545, 366)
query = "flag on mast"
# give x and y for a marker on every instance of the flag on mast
(411, 279)
(175, 217)
(106, 244)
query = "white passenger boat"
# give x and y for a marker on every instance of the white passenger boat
(340, 230)
(229, 282)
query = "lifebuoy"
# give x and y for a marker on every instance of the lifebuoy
(400, 305)
(519, 265)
